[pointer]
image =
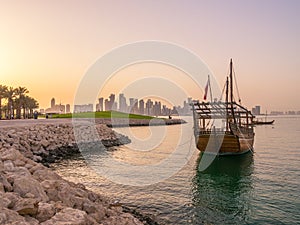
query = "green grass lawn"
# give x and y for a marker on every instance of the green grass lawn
(103, 114)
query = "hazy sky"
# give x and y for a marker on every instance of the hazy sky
(47, 46)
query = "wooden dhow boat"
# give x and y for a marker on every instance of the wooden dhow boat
(223, 127)
(260, 122)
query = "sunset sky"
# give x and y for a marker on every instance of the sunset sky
(47, 46)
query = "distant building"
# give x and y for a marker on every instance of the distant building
(112, 101)
(149, 107)
(290, 113)
(107, 105)
(52, 102)
(55, 108)
(157, 109)
(100, 104)
(274, 113)
(83, 108)
(114, 106)
(186, 108)
(62, 108)
(256, 110)
(142, 107)
(110, 104)
(68, 108)
(122, 103)
(133, 105)
(165, 111)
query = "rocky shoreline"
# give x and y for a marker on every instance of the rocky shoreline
(31, 193)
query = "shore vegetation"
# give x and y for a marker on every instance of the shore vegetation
(102, 114)
(15, 103)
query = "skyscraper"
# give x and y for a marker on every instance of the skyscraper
(52, 102)
(107, 105)
(141, 106)
(100, 106)
(122, 103)
(68, 108)
(149, 107)
(133, 105)
(111, 102)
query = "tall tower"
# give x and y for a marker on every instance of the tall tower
(142, 106)
(101, 104)
(149, 107)
(52, 102)
(68, 108)
(122, 103)
(111, 101)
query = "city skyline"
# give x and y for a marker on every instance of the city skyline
(56, 108)
(146, 106)
(134, 106)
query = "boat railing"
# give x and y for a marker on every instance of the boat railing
(241, 129)
(213, 131)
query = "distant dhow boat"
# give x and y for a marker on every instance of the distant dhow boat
(260, 122)
(223, 127)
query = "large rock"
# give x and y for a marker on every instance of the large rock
(124, 218)
(17, 172)
(6, 185)
(96, 211)
(8, 216)
(11, 154)
(50, 187)
(19, 163)
(68, 197)
(8, 165)
(5, 202)
(45, 173)
(1, 166)
(9, 199)
(68, 216)
(31, 220)
(45, 211)
(26, 206)
(45, 143)
(28, 185)
(1, 187)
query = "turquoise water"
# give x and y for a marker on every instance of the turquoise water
(263, 188)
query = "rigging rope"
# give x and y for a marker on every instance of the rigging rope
(222, 92)
(236, 86)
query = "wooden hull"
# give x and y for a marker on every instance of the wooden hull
(224, 144)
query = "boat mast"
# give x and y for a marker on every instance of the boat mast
(211, 98)
(226, 104)
(231, 91)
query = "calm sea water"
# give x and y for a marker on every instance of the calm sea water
(263, 188)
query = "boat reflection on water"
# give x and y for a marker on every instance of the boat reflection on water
(223, 192)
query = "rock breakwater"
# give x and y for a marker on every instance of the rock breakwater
(31, 193)
(47, 143)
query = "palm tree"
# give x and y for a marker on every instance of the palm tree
(3, 90)
(31, 104)
(21, 93)
(10, 95)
